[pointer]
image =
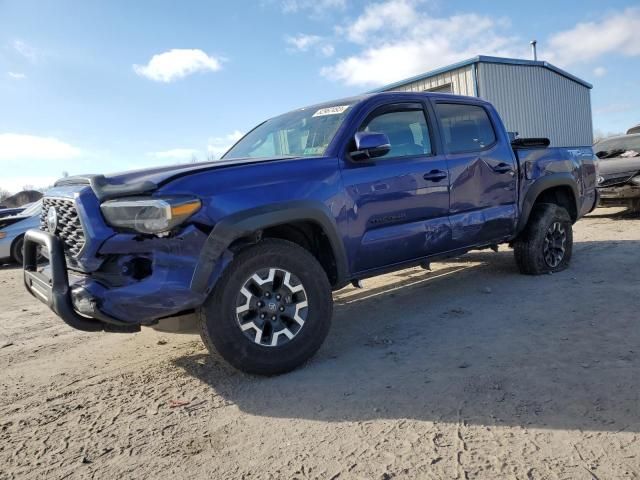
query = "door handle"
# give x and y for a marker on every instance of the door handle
(435, 175)
(502, 167)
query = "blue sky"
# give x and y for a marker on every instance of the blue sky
(89, 86)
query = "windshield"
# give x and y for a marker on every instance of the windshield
(625, 147)
(302, 133)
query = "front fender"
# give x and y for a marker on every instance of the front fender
(245, 223)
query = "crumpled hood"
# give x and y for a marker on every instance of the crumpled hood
(616, 165)
(137, 182)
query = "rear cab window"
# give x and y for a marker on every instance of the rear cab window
(465, 128)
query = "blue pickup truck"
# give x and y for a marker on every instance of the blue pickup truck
(305, 203)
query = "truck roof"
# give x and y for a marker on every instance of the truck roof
(392, 95)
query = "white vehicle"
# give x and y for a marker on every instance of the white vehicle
(13, 228)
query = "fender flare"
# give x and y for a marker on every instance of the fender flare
(245, 223)
(546, 182)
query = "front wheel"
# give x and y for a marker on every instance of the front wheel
(546, 243)
(17, 250)
(271, 309)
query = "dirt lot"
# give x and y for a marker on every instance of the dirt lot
(468, 371)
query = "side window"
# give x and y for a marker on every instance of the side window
(465, 127)
(407, 131)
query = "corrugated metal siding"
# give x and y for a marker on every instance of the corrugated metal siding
(537, 102)
(461, 80)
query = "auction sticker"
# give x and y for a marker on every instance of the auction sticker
(331, 110)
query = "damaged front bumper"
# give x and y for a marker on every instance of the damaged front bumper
(619, 195)
(114, 299)
(54, 290)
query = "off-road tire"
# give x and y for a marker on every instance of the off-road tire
(220, 328)
(529, 247)
(17, 254)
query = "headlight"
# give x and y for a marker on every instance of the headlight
(149, 215)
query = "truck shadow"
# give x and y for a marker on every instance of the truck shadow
(473, 341)
(615, 214)
(9, 266)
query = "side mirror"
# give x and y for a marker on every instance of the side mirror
(370, 145)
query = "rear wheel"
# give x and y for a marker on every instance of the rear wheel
(546, 244)
(270, 311)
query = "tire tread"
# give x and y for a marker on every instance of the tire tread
(528, 246)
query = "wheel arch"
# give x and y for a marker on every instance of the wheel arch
(293, 221)
(560, 189)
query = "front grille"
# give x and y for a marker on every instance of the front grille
(614, 180)
(69, 228)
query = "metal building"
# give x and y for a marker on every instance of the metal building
(534, 98)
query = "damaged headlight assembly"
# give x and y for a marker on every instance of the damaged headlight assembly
(155, 216)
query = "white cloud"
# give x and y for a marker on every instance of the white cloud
(599, 71)
(15, 146)
(175, 154)
(617, 33)
(327, 50)
(400, 40)
(26, 50)
(218, 146)
(303, 43)
(17, 75)
(177, 63)
(389, 15)
(619, 107)
(16, 184)
(315, 7)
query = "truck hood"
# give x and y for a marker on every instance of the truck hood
(616, 165)
(136, 182)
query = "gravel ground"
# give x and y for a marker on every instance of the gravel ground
(468, 371)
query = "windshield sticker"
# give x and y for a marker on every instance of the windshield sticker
(331, 111)
(313, 151)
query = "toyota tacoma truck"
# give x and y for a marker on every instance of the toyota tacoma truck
(305, 203)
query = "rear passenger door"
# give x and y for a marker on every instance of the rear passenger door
(482, 170)
(400, 201)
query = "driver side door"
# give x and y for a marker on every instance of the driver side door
(400, 201)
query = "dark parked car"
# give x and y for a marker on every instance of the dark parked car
(304, 204)
(619, 178)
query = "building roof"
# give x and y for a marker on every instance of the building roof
(485, 59)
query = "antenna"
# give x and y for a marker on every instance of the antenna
(534, 51)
